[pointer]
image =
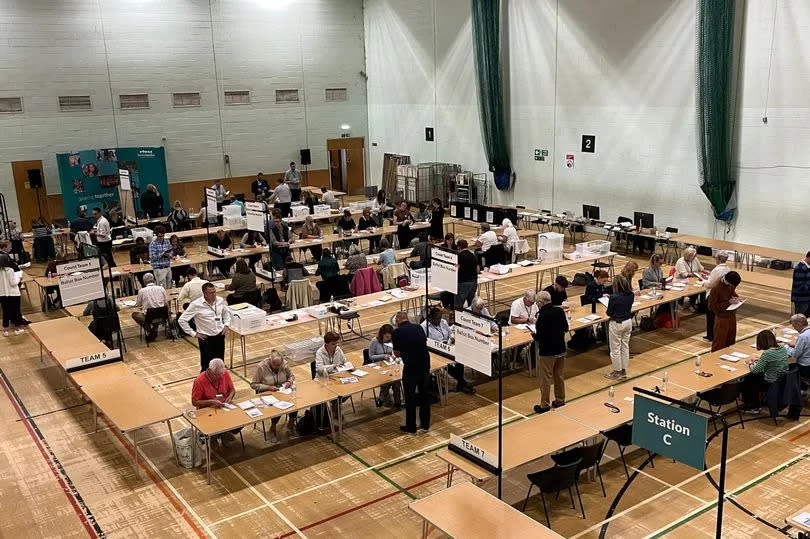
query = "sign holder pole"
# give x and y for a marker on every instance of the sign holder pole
(721, 484)
(500, 326)
(107, 299)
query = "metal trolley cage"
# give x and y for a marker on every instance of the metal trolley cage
(472, 188)
(425, 181)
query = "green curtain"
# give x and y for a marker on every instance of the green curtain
(486, 47)
(715, 103)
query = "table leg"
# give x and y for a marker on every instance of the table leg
(541, 276)
(244, 354)
(41, 356)
(95, 418)
(135, 450)
(233, 340)
(340, 416)
(425, 529)
(328, 406)
(174, 447)
(673, 311)
(193, 445)
(208, 442)
(450, 470)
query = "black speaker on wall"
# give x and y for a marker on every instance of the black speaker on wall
(34, 178)
(306, 159)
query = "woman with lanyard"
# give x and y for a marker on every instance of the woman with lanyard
(274, 374)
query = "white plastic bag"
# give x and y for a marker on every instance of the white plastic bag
(183, 440)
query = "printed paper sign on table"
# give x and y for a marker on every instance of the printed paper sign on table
(80, 282)
(473, 350)
(254, 211)
(210, 202)
(443, 268)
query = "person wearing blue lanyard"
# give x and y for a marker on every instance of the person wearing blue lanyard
(211, 316)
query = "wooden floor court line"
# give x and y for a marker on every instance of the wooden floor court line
(367, 504)
(729, 495)
(688, 480)
(60, 474)
(256, 492)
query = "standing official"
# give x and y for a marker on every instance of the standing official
(211, 316)
(293, 178)
(410, 344)
(103, 237)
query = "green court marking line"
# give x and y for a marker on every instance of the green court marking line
(376, 471)
(739, 490)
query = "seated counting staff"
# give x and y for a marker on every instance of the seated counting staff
(380, 349)
(274, 374)
(598, 288)
(243, 283)
(192, 289)
(311, 230)
(252, 239)
(357, 259)
(771, 365)
(328, 359)
(212, 388)
(801, 352)
(524, 309)
(557, 290)
(151, 296)
(221, 240)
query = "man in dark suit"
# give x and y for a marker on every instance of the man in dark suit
(410, 344)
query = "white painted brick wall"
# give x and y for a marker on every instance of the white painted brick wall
(49, 49)
(621, 70)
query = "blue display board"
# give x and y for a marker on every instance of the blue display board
(89, 178)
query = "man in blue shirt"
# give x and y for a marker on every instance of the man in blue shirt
(801, 352)
(160, 256)
(410, 344)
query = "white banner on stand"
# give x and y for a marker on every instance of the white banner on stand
(80, 282)
(254, 211)
(443, 270)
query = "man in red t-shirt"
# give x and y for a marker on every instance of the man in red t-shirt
(212, 388)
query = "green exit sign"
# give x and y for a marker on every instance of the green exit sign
(670, 431)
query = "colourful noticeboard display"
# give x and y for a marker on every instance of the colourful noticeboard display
(90, 178)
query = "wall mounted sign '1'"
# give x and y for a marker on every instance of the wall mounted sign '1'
(429, 134)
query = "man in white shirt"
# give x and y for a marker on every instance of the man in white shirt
(487, 239)
(219, 191)
(192, 289)
(293, 178)
(151, 296)
(211, 316)
(283, 197)
(103, 237)
(716, 274)
(435, 326)
(327, 196)
(524, 310)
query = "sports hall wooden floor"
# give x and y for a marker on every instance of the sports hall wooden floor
(59, 478)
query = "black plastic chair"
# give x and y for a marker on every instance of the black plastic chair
(495, 255)
(553, 480)
(623, 436)
(589, 457)
(156, 316)
(721, 396)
